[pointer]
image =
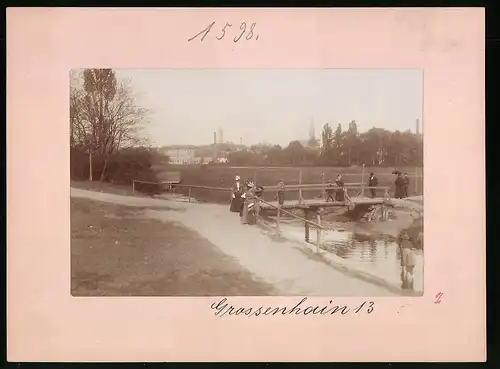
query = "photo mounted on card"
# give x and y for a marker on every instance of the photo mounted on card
(238, 170)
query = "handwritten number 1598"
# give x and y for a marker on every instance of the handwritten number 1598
(243, 28)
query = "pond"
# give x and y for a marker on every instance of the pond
(376, 255)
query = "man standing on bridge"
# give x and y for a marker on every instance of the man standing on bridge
(373, 182)
(407, 184)
(339, 194)
(281, 192)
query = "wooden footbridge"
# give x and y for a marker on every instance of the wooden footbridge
(313, 210)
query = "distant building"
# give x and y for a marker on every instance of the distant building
(202, 160)
(310, 143)
(180, 154)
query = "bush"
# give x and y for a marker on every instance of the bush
(123, 167)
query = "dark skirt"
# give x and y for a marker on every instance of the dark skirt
(400, 192)
(339, 195)
(236, 204)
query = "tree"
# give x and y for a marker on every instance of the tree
(104, 117)
(326, 138)
(294, 153)
(338, 142)
(243, 157)
(352, 140)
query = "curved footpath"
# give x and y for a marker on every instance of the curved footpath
(284, 264)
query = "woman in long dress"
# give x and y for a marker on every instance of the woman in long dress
(236, 193)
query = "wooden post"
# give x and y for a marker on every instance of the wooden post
(90, 166)
(245, 212)
(300, 189)
(133, 186)
(306, 226)
(318, 233)
(189, 194)
(417, 179)
(278, 217)
(323, 192)
(363, 181)
(257, 210)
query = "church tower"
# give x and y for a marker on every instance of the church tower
(312, 141)
(312, 132)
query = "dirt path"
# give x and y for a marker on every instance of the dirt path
(284, 265)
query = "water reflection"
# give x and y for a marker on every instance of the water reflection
(382, 256)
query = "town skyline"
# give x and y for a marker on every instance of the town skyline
(271, 106)
(304, 141)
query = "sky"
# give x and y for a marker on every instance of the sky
(271, 106)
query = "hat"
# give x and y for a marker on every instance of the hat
(250, 184)
(371, 174)
(237, 178)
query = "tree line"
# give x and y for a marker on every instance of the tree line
(375, 147)
(107, 141)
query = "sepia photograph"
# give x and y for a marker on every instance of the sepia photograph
(246, 182)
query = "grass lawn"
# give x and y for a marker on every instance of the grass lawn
(223, 176)
(115, 251)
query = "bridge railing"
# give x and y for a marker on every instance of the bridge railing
(320, 229)
(171, 185)
(324, 188)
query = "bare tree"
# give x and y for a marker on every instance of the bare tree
(104, 116)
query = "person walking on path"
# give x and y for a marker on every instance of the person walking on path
(373, 182)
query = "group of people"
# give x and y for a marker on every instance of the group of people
(335, 190)
(402, 184)
(240, 193)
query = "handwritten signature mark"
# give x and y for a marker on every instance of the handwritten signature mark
(438, 297)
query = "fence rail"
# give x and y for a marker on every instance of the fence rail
(287, 188)
(307, 223)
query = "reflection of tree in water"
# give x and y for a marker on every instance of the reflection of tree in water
(343, 250)
(362, 246)
(386, 247)
(373, 250)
